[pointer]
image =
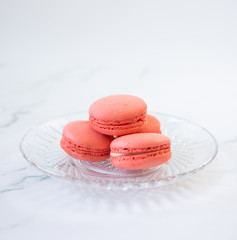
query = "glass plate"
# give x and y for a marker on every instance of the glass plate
(192, 148)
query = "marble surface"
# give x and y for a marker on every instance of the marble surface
(58, 57)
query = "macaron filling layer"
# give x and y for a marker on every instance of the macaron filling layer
(140, 149)
(118, 125)
(66, 144)
(161, 151)
(118, 122)
(119, 152)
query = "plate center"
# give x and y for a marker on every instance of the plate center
(105, 167)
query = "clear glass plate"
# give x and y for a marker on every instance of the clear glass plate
(192, 146)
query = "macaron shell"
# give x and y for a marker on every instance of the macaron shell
(81, 141)
(152, 125)
(140, 151)
(81, 133)
(140, 161)
(117, 109)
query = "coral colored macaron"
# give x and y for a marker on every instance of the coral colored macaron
(118, 114)
(140, 151)
(82, 142)
(152, 125)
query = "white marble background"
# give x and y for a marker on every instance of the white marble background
(57, 57)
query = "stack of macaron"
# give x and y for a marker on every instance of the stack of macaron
(120, 128)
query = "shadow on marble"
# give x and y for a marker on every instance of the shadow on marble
(66, 196)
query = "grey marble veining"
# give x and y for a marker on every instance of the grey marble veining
(23, 182)
(14, 118)
(11, 116)
(15, 171)
(228, 141)
(16, 225)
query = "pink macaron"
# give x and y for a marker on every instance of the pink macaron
(82, 142)
(140, 151)
(152, 125)
(118, 114)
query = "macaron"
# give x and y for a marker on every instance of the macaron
(152, 125)
(140, 151)
(81, 141)
(118, 114)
